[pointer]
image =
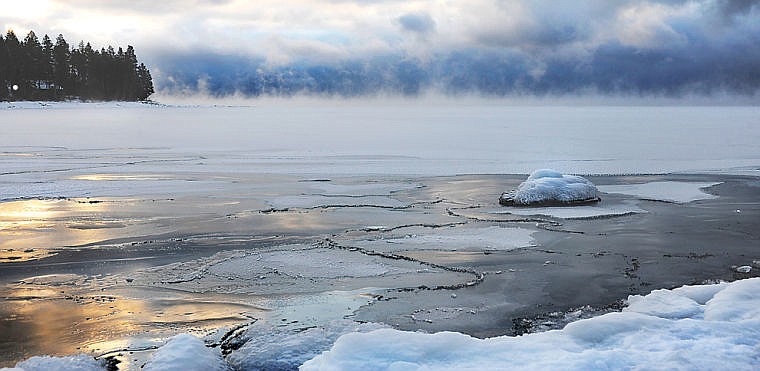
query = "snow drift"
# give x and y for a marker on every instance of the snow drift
(547, 187)
(692, 327)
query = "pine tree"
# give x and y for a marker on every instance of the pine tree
(145, 82)
(43, 70)
(33, 66)
(15, 60)
(4, 88)
(48, 61)
(61, 66)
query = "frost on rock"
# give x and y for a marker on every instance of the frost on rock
(706, 327)
(548, 188)
(72, 363)
(186, 352)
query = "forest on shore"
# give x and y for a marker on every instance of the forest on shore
(31, 69)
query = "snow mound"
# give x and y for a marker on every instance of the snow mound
(71, 363)
(545, 187)
(693, 327)
(186, 352)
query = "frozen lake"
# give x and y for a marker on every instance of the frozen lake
(55, 150)
(271, 230)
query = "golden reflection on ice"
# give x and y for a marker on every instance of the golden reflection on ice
(63, 318)
(109, 177)
(29, 229)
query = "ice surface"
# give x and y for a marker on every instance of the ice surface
(667, 329)
(678, 192)
(551, 186)
(47, 145)
(304, 263)
(185, 352)
(295, 269)
(577, 212)
(307, 201)
(71, 363)
(451, 239)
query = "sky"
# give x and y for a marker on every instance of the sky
(358, 47)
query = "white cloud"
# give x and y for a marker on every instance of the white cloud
(646, 25)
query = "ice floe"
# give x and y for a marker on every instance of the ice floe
(292, 269)
(546, 187)
(668, 191)
(451, 239)
(693, 327)
(580, 212)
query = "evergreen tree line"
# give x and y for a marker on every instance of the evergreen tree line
(34, 70)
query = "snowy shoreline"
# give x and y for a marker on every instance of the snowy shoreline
(710, 326)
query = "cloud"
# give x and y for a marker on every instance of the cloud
(417, 22)
(347, 47)
(734, 7)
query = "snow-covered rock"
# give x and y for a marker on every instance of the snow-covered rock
(706, 327)
(548, 187)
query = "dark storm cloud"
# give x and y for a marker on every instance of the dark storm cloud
(417, 22)
(734, 7)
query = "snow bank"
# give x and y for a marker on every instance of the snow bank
(548, 186)
(693, 327)
(186, 352)
(677, 192)
(72, 363)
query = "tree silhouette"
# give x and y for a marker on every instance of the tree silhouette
(34, 70)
